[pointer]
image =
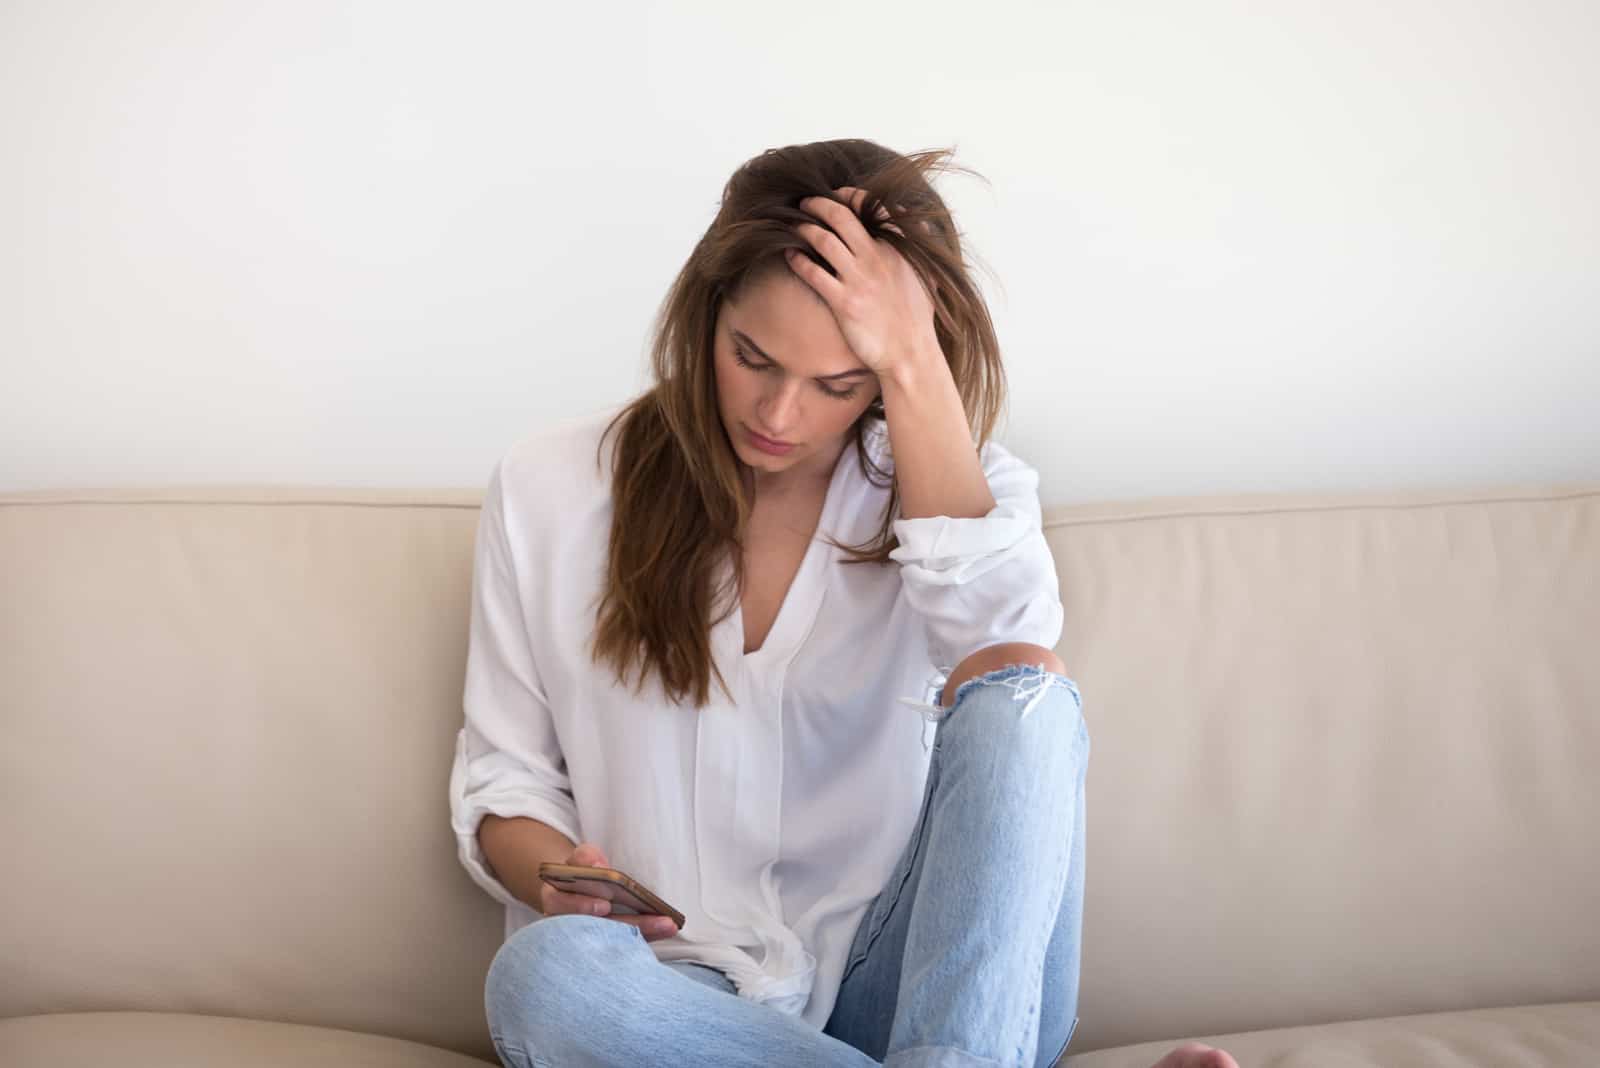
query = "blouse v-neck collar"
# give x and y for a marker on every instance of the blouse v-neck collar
(803, 600)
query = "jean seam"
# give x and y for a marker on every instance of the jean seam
(914, 846)
(512, 1047)
(1062, 864)
(970, 1056)
(1068, 1041)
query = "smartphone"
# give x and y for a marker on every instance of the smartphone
(627, 896)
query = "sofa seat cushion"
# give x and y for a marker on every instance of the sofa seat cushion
(1526, 1036)
(178, 1040)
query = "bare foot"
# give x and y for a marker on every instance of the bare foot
(1196, 1055)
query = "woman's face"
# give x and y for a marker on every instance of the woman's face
(788, 337)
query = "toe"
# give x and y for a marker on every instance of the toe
(1196, 1055)
(1182, 1056)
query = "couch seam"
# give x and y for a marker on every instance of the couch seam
(1245, 510)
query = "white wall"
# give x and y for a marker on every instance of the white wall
(1231, 246)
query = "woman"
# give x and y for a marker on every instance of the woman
(796, 510)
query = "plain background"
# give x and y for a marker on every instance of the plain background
(1228, 246)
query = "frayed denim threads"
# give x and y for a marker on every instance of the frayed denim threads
(1028, 682)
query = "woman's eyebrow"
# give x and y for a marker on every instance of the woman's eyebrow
(742, 336)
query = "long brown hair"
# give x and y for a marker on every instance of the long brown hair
(680, 504)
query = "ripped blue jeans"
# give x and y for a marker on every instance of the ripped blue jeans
(967, 957)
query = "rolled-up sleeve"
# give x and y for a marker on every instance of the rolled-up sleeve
(507, 760)
(981, 581)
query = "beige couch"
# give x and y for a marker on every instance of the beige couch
(1346, 768)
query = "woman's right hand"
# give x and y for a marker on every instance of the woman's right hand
(553, 902)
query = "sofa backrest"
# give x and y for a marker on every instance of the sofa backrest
(1342, 756)
(1344, 753)
(229, 719)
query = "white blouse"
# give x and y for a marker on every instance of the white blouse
(771, 821)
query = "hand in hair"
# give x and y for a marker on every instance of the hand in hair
(881, 304)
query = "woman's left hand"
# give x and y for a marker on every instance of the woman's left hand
(878, 299)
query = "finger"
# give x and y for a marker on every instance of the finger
(589, 855)
(565, 901)
(652, 927)
(829, 288)
(857, 197)
(829, 247)
(844, 221)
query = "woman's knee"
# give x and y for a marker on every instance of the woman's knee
(1013, 680)
(994, 657)
(540, 976)
(1019, 720)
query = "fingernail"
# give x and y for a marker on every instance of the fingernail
(601, 908)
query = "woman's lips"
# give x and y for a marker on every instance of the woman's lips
(766, 444)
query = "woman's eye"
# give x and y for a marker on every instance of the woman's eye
(738, 358)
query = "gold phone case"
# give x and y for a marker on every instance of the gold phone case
(612, 885)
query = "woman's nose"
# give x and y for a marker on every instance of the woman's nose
(778, 406)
